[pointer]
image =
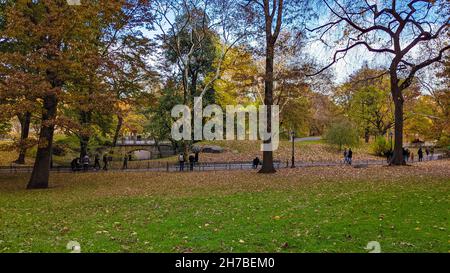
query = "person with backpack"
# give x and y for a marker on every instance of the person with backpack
(405, 155)
(86, 162)
(181, 161)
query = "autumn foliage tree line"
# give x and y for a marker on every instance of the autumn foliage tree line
(99, 71)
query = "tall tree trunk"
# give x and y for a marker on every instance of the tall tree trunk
(84, 141)
(41, 170)
(25, 121)
(267, 166)
(118, 128)
(84, 138)
(158, 147)
(398, 159)
(367, 135)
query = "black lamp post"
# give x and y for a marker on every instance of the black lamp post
(293, 149)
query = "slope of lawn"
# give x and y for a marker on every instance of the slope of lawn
(233, 151)
(406, 209)
(304, 151)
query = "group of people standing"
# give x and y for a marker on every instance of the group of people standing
(193, 159)
(348, 156)
(410, 156)
(84, 163)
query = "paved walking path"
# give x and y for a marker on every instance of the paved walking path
(305, 139)
(218, 166)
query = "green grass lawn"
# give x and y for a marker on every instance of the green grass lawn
(309, 210)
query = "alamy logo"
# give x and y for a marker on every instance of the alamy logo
(259, 127)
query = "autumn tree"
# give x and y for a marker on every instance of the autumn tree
(126, 69)
(342, 133)
(42, 24)
(14, 96)
(268, 17)
(409, 34)
(66, 39)
(366, 99)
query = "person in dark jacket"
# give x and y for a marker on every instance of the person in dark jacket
(389, 156)
(196, 157)
(256, 163)
(191, 162)
(350, 156)
(125, 162)
(97, 162)
(420, 153)
(75, 164)
(105, 162)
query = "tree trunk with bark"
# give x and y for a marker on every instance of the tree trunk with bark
(41, 171)
(367, 135)
(272, 18)
(84, 137)
(267, 166)
(25, 120)
(118, 128)
(397, 95)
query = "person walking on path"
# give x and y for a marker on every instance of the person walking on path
(105, 162)
(75, 164)
(405, 155)
(125, 162)
(191, 162)
(256, 163)
(86, 162)
(427, 151)
(389, 156)
(97, 162)
(345, 156)
(412, 157)
(196, 156)
(420, 154)
(181, 161)
(350, 156)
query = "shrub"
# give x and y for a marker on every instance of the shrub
(342, 134)
(59, 150)
(67, 142)
(380, 147)
(444, 141)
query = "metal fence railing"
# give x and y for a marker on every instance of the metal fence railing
(161, 166)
